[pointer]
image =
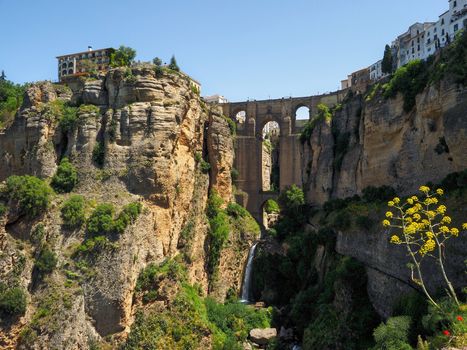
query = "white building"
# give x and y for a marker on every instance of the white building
(376, 70)
(422, 40)
(215, 99)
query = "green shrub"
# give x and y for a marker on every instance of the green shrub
(409, 80)
(218, 235)
(324, 115)
(46, 261)
(73, 214)
(98, 154)
(342, 220)
(393, 334)
(3, 209)
(271, 206)
(149, 278)
(69, 119)
(232, 125)
(11, 98)
(95, 244)
(33, 194)
(127, 216)
(236, 319)
(236, 210)
(378, 194)
(205, 166)
(66, 177)
(234, 174)
(101, 220)
(12, 301)
(364, 222)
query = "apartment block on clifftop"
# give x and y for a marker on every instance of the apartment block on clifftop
(82, 62)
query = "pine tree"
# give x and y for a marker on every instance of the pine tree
(3, 76)
(386, 65)
(173, 64)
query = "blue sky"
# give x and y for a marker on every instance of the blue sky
(255, 49)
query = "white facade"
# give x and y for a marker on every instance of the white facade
(215, 99)
(376, 70)
(422, 40)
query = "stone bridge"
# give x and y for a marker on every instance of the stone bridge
(249, 143)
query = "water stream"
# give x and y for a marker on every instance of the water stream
(245, 298)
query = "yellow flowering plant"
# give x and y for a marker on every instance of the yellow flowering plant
(422, 226)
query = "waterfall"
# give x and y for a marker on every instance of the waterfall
(247, 278)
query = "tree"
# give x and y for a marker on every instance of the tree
(123, 57)
(386, 65)
(173, 64)
(157, 61)
(3, 76)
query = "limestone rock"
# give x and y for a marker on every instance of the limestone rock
(262, 336)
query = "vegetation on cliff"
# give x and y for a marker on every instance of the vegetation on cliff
(411, 79)
(191, 321)
(11, 98)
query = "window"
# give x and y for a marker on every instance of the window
(456, 27)
(434, 31)
(428, 41)
(418, 47)
(442, 21)
(413, 50)
(455, 3)
(442, 32)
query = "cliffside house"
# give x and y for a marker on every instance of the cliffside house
(80, 63)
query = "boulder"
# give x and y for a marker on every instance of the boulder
(262, 336)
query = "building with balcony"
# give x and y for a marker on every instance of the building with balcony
(80, 63)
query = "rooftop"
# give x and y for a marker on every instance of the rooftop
(80, 53)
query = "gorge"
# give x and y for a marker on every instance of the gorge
(132, 212)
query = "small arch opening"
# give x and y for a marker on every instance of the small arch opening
(70, 71)
(240, 117)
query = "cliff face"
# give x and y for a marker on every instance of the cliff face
(149, 135)
(375, 143)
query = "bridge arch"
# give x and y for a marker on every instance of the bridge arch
(249, 144)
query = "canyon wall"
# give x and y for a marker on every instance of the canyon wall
(137, 137)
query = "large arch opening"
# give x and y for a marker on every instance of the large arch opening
(302, 115)
(270, 157)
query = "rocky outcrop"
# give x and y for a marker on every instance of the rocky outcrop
(375, 143)
(147, 131)
(221, 152)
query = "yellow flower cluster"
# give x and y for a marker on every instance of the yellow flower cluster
(446, 220)
(440, 191)
(454, 232)
(424, 189)
(386, 223)
(464, 226)
(427, 247)
(441, 209)
(389, 214)
(395, 240)
(430, 200)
